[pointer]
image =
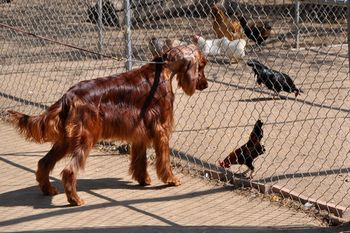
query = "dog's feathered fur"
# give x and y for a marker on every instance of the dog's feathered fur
(136, 106)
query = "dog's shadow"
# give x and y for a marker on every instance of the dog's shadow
(32, 196)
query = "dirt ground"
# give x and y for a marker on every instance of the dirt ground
(306, 138)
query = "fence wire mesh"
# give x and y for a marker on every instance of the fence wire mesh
(47, 47)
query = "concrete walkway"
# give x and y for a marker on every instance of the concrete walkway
(114, 203)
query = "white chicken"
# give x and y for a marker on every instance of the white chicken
(234, 50)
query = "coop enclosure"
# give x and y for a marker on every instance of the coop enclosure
(47, 47)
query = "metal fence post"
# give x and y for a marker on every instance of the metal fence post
(348, 22)
(127, 34)
(100, 26)
(297, 16)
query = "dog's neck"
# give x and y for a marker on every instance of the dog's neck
(168, 74)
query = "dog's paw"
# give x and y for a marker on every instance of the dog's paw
(76, 201)
(49, 191)
(145, 182)
(174, 181)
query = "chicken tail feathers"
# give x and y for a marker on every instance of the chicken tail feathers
(257, 133)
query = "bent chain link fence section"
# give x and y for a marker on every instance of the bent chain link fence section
(47, 47)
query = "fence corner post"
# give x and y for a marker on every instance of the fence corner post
(127, 34)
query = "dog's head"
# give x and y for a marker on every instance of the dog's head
(187, 62)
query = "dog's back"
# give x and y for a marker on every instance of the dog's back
(109, 107)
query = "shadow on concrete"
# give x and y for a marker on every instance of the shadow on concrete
(32, 196)
(304, 174)
(201, 229)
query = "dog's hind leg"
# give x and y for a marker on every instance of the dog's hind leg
(138, 166)
(45, 166)
(82, 146)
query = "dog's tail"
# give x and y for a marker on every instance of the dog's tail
(41, 128)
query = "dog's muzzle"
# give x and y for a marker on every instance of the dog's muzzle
(202, 84)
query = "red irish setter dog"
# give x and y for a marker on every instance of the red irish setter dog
(135, 106)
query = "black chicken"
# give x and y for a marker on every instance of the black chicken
(273, 80)
(256, 30)
(248, 152)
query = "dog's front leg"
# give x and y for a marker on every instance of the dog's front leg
(164, 172)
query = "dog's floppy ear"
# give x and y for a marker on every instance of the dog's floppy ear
(187, 78)
(183, 61)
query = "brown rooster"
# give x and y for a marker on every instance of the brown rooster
(256, 30)
(224, 26)
(248, 152)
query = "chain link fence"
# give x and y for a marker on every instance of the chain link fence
(47, 47)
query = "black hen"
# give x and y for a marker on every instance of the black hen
(273, 80)
(248, 152)
(257, 30)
